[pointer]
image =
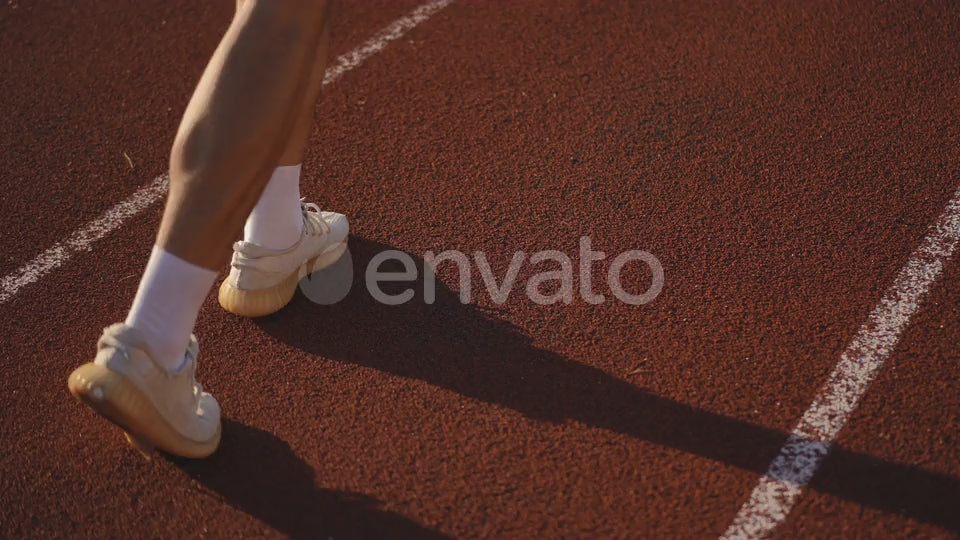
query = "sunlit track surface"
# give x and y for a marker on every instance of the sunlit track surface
(783, 163)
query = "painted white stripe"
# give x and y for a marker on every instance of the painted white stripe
(83, 239)
(372, 46)
(804, 451)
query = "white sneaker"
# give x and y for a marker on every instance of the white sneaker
(154, 407)
(262, 280)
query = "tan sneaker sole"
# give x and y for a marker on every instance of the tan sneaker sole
(115, 398)
(260, 302)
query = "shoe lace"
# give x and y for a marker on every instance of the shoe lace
(313, 219)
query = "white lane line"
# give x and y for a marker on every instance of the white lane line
(775, 494)
(396, 30)
(83, 239)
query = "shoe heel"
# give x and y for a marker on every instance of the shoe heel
(110, 396)
(261, 302)
(115, 398)
(102, 390)
(257, 302)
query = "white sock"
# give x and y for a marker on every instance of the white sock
(166, 306)
(276, 222)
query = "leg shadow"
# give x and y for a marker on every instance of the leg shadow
(464, 349)
(257, 473)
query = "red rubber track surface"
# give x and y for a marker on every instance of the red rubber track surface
(782, 160)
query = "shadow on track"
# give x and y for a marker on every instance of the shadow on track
(463, 349)
(257, 473)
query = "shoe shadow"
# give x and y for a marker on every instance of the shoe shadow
(467, 350)
(257, 473)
